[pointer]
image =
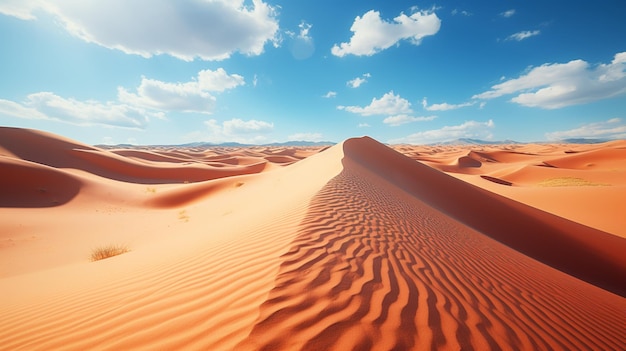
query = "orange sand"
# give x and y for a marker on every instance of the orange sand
(351, 247)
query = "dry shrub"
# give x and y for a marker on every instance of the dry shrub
(100, 253)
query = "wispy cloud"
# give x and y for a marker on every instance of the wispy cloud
(237, 130)
(519, 36)
(178, 28)
(399, 120)
(469, 129)
(372, 34)
(508, 13)
(558, 85)
(330, 94)
(444, 106)
(461, 12)
(614, 128)
(49, 106)
(307, 136)
(389, 104)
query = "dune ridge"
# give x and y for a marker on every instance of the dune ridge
(60, 153)
(355, 247)
(376, 267)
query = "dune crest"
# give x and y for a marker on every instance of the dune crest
(376, 265)
(355, 246)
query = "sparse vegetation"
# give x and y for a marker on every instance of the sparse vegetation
(100, 253)
(238, 184)
(568, 181)
(151, 190)
(183, 216)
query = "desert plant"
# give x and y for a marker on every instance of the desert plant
(182, 215)
(102, 252)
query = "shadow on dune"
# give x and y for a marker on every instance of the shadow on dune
(30, 185)
(586, 253)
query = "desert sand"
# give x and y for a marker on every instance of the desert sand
(357, 246)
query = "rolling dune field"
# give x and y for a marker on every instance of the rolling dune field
(357, 246)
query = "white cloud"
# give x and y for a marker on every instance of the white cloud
(237, 126)
(48, 106)
(508, 13)
(356, 82)
(519, 36)
(234, 130)
(388, 104)
(371, 34)
(132, 110)
(193, 96)
(398, 120)
(186, 29)
(444, 106)
(558, 85)
(330, 94)
(22, 9)
(469, 129)
(363, 125)
(305, 137)
(612, 129)
(461, 12)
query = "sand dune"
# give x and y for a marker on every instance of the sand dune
(355, 247)
(583, 183)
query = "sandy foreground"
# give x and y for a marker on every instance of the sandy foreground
(358, 246)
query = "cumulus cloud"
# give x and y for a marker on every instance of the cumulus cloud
(614, 128)
(49, 106)
(508, 13)
(469, 129)
(186, 29)
(444, 106)
(193, 96)
(356, 82)
(558, 85)
(372, 34)
(388, 104)
(519, 36)
(132, 110)
(330, 94)
(234, 130)
(399, 120)
(305, 137)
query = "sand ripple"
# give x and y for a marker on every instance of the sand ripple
(375, 268)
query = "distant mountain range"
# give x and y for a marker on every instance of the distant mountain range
(227, 144)
(468, 141)
(460, 141)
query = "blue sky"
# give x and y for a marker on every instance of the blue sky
(261, 71)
